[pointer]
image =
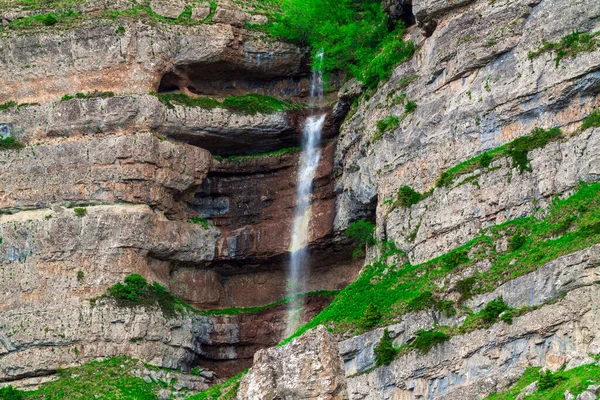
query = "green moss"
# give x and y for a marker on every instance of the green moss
(553, 386)
(568, 46)
(392, 287)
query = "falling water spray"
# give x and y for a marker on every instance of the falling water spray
(309, 160)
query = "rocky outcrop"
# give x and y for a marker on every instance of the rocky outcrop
(452, 216)
(474, 91)
(306, 368)
(487, 361)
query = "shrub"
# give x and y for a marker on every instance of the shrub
(407, 196)
(385, 352)
(80, 276)
(423, 301)
(492, 310)
(120, 30)
(10, 393)
(49, 19)
(370, 318)
(10, 143)
(456, 258)
(410, 106)
(591, 121)
(7, 105)
(519, 148)
(363, 233)
(389, 123)
(135, 290)
(465, 288)
(569, 46)
(426, 340)
(485, 160)
(517, 241)
(196, 371)
(80, 211)
(548, 380)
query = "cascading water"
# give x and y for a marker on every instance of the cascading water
(309, 161)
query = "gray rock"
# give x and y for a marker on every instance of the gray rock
(168, 8)
(201, 11)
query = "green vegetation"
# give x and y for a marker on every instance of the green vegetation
(363, 234)
(7, 105)
(120, 30)
(40, 20)
(80, 276)
(410, 107)
(10, 143)
(199, 221)
(89, 95)
(517, 241)
(252, 310)
(355, 36)
(112, 379)
(223, 391)
(385, 352)
(569, 46)
(552, 386)
(370, 318)
(388, 124)
(407, 197)
(391, 287)
(591, 121)
(248, 157)
(426, 340)
(135, 291)
(249, 104)
(80, 211)
(518, 150)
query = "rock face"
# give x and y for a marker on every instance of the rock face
(110, 176)
(307, 368)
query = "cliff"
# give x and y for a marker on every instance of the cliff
(160, 139)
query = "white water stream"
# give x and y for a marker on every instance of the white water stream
(309, 161)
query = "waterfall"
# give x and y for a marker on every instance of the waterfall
(309, 161)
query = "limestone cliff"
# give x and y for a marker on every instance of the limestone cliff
(160, 138)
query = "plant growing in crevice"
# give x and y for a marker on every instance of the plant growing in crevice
(388, 124)
(363, 234)
(568, 46)
(426, 340)
(591, 121)
(385, 352)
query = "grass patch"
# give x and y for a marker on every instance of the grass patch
(41, 20)
(554, 385)
(248, 157)
(80, 211)
(517, 150)
(591, 121)
(90, 95)
(568, 46)
(7, 105)
(391, 287)
(257, 309)
(388, 124)
(249, 104)
(223, 391)
(112, 379)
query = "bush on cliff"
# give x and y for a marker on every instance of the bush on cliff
(135, 291)
(363, 233)
(10, 393)
(385, 352)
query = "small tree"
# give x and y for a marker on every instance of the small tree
(385, 352)
(371, 317)
(363, 233)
